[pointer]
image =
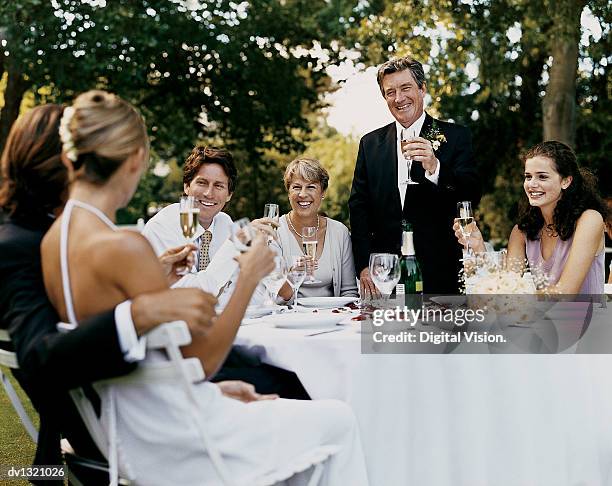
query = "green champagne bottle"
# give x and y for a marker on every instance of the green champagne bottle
(411, 280)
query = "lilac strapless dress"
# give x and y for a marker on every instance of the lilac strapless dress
(553, 267)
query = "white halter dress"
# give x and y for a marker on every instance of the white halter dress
(261, 443)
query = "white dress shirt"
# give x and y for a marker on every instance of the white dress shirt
(164, 231)
(402, 164)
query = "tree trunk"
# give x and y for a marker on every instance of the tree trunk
(16, 86)
(559, 103)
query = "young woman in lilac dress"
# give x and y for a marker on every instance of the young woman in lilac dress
(561, 222)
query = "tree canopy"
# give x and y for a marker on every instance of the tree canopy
(251, 76)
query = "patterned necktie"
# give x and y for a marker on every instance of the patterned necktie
(204, 258)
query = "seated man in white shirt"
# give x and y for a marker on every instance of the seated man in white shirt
(209, 175)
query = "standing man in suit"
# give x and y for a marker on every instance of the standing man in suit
(441, 173)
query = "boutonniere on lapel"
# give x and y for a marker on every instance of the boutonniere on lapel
(435, 136)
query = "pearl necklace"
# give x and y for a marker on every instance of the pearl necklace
(296, 231)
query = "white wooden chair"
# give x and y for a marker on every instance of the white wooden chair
(9, 359)
(78, 468)
(187, 371)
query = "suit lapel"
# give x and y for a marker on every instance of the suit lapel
(417, 172)
(387, 150)
(426, 128)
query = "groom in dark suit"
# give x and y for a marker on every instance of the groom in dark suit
(420, 184)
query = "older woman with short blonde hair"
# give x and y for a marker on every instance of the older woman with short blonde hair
(306, 181)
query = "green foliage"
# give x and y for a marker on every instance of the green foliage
(502, 104)
(337, 154)
(242, 73)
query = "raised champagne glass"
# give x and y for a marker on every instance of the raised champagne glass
(188, 214)
(242, 234)
(309, 245)
(272, 212)
(407, 135)
(465, 218)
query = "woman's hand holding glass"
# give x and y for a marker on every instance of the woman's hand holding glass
(177, 261)
(474, 240)
(257, 260)
(309, 246)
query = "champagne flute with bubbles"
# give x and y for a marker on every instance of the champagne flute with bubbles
(465, 217)
(309, 245)
(272, 212)
(407, 135)
(188, 214)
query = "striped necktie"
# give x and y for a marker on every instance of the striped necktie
(204, 257)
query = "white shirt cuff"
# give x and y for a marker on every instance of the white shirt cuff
(435, 176)
(132, 347)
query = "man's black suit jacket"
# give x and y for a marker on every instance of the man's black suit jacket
(375, 206)
(51, 363)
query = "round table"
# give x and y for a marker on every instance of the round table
(467, 419)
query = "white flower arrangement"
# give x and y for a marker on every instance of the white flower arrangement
(66, 135)
(495, 283)
(494, 273)
(502, 282)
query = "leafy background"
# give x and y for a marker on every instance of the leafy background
(251, 76)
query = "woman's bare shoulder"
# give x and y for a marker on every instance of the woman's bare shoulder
(125, 249)
(591, 218)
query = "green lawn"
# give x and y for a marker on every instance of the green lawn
(16, 447)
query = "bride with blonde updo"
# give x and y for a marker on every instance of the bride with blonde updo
(91, 266)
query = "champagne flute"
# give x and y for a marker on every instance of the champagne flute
(296, 274)
(275, 279)
(385, 272)
(406, 135)
(272, 212)
(188, 215)
(309, 245)
(242, 234)
(465, 219)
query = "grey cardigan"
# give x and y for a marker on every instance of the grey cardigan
(339, 240)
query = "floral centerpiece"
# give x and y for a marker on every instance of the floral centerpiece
(494, 282)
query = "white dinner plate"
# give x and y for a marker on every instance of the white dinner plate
(305, 321)
(326, 302)
(450, 300)
(254, 311)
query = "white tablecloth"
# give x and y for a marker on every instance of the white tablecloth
(442, 420)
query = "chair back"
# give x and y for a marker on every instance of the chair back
(186, 371)
(9, 359)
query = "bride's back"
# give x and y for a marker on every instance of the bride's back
(105, 143)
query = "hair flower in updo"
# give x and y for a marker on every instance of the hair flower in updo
(66, 136)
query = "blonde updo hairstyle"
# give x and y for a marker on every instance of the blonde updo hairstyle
(104, 130)
(310, 170)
